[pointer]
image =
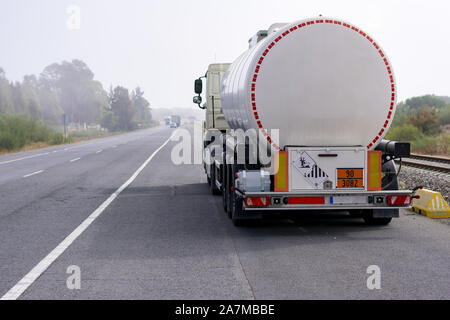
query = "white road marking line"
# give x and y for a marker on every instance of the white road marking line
(32, 174)
(99, 151)
(65, 149)
(20, 287)
(114, 146)
(76, 159)
(28, 157)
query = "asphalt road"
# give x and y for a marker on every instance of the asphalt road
(166, 237)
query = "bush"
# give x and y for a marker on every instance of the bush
(427, 120)
(109, 121)
(444, 116)
(7, 141)
(425, 145)
(444, 143)
(420, 142)
(406, 132)
(92, 133)
(16, 131)
(56, 138)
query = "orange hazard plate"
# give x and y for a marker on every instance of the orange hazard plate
(350, 178)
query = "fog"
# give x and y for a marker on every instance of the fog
(162, 46)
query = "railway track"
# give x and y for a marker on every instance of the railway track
(431, 163)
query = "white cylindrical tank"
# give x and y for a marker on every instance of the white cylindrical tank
(321, 82)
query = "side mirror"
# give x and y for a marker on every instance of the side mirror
(197, 100)
(198, 87)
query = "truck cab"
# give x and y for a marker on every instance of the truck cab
(215, 122)
(214, 117)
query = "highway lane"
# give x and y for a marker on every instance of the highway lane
(37, 212)
(17, 165)
(166, 237)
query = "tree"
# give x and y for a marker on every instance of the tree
(18, 99)
(29, 87)
(81, 97)
(431, 101)
(142, 106)
(109, 120)
(402, 115)
(426, 119)
(6, 103)
(444, 115)
(49, 100)
(70, 88)
(122, 107)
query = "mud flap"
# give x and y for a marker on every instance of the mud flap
(241, 213)
(386, 213)
(249, 215)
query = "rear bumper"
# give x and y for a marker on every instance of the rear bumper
(348, 200)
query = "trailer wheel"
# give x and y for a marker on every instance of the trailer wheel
(224, 185)
(237, 210)
(213, 186)
(237, 203)
(229, 192)
(368, 217)
(389, 182)
(224, 197)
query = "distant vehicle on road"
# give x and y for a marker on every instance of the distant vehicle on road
(173, 125)
(176, 119)
(317, 111)
(167, 121)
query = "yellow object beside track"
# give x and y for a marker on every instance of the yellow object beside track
(431, 204)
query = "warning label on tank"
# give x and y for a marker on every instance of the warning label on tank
(309, 169)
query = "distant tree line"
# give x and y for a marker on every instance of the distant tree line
(425, 121)
(69, 88)
(126, 111)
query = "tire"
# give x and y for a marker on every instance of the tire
(229, 192)
(236, 210)
(237, 203)
(369, 219)
(212, 187)
(389, 182)
(225, 190)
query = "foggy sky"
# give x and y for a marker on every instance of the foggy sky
(162, 45)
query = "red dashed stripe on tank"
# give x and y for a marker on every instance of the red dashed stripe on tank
(298, 27)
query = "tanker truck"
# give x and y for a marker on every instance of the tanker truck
(296, 123)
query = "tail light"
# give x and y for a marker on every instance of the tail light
(399, 200)
(257, 201)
